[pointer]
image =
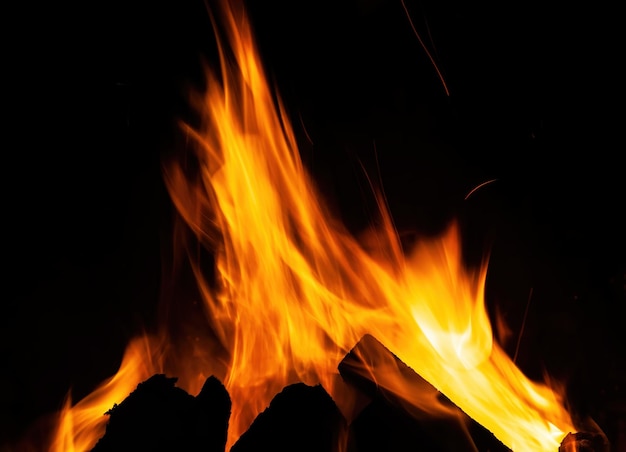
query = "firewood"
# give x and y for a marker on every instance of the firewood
(300, 418)
(418, 415)
(584, 442)
(158, 416)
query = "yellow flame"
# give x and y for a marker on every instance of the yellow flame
(81, 425)
(297, 291)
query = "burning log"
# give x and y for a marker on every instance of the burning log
(400, 397)
(584, 442)
(300, 417)
(404, 411)
(159, 416)
(395, 388)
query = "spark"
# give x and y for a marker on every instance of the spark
(430, 57)
(306, 133)
(477, 187)
(521, 332)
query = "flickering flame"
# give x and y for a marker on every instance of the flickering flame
(296, 291)
(81, 425)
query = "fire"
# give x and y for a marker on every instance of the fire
(82, 424)
(296, 291)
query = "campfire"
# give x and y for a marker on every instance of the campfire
(303, 319)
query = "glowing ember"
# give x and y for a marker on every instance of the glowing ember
(296, 291)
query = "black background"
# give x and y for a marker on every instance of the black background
(94, 93)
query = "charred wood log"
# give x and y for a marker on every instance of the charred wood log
(406, 409)
(158, 416)
(405, 413)
(584, 442)
(301, 417)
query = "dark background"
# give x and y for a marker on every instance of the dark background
(94, 93)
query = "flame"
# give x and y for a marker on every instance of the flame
(296, 291)
(81, 425)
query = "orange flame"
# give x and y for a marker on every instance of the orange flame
(297, 291)
(81, 425)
